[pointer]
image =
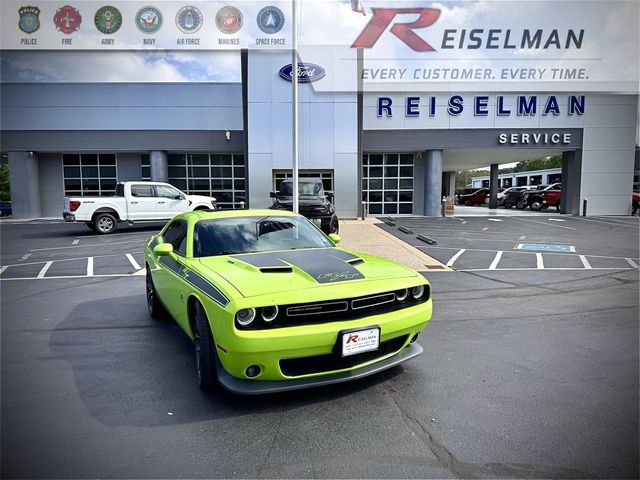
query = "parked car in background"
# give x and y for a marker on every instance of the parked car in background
(552, 197)
(478, 197)
(464, 191)
(535, 199)
(133, 202)
(503, 194)
(635, 202)
(5, 208)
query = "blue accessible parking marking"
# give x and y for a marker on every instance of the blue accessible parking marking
(546, 247)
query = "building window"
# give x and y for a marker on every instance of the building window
(90, 174)
(214, 175)
(325, 175)
(387, 183)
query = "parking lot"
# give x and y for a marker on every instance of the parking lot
(530, 366)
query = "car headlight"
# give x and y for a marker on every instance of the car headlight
(269, 314)
(402, 295)
(417, 292)
(245, 316)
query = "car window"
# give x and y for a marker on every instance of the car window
(142, 191)
(176, 235)
(166, 191)
(255, 234)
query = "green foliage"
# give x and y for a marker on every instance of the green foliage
(5, 191)
(542, 163)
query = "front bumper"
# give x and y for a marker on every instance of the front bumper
(68, 217)
(251, 387)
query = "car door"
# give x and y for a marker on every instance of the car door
(171, 202)
(142, 204)
(170, 282)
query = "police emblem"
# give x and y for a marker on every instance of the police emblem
(29, 20)
(229, 20)
(189, 19)
(148, 19)
(108, 20)
(67, 19)
(270, 20)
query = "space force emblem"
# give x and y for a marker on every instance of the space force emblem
(29, 20)
(108, 20)
(189, 19)
(67, 19)
(270, 20)
(229, 20)
(148, 19)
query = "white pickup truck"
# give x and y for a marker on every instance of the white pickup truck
(133, 202)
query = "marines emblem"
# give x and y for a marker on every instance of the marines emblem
(270, 20)
(189, 19)
(29, 20)
(67, 19)
(229, 20)
(108, 20)
(148, 19)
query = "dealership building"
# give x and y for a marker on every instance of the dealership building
(389, 151)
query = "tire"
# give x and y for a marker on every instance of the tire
(331, 225)
(558, 207)
(205, 350)
(507, 204)
(105, 223)
(156, 310)
(468, 203)
(535, 205)
(521, 204)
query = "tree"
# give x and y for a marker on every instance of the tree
(542, 163)
(5, 190)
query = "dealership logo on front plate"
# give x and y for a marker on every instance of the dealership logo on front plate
(229, 20)
(108, 20)
(29, 20)
(67, 19)
(148, 19)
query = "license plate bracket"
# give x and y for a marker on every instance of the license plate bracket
(360, 340)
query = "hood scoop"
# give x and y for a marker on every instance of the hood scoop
(355, 261)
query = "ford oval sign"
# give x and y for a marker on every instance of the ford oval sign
(307, 72)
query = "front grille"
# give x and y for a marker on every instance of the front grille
(317, 309)
(293, 367)
(372, 301)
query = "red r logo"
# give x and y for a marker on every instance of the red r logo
(352, 338)
(381, 19)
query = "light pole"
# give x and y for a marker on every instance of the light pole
(294, 83)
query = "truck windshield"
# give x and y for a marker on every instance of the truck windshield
(228, 236)
(304, 188)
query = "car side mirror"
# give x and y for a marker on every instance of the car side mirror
(335, 238)
(163, 249)
(273, 195)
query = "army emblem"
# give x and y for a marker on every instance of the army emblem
(108, 20)
(270, 20)
(148, 19)
(67, 19)
(229, 20)
(189, 19)
(29, 20)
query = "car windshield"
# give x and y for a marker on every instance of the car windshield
(226, 236)
(304, 188)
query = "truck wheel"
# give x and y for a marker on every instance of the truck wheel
(468, 203)
(105, 223)
(206, 358)
(330, 225)
(507, 204)
(558, 207)
(535, 205)
(156, 310)
(521, 205)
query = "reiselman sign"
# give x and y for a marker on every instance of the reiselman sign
(523, 105)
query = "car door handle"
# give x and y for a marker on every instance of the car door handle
(132, 203)
(160, 202)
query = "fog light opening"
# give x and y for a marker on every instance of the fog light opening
(253, 371)
(415, 337)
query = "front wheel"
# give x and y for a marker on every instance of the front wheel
(206, 360)
(521, 205)
(535, 205)
(331, 225)
(105, 223)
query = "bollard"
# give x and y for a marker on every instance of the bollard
(584, 207)
(443, 207)
(241, 205)
(364, 209)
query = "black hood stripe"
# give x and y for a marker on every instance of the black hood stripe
(196, 280)
(324, 265)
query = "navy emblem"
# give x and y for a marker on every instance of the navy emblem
(148, 19)
(229, 20)
(189, 19)
(108, 20)
(307, 72)
(270, 20)
(67, 19)
(29, 20)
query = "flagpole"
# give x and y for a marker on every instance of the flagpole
(294, 83)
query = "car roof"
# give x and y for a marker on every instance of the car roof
(214, 214)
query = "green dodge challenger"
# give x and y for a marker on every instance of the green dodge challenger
(271, 303)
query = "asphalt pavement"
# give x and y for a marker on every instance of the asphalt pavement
(529, 371)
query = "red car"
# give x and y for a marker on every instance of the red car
(552, 197)
(538, 199)
(635, 202)
(476, 198)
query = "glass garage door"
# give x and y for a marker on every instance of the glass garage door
(89, 174)
(387, 183)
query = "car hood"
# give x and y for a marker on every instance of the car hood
(201, 198)
(256, 274)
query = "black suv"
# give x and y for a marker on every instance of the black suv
(313, 202)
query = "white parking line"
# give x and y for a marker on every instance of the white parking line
(62, 277)
(84, 246)
(629, 261)
(44, 269)
(90, 267)
(75, 242)
(24, 257)
(585, 262)
(522, 269)
(522, 237)
(543, 223)
(539, 261)
(455, 257)
(611, 224)
(133, 261)
(496, 260)
(2, 269)
(485, 228)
